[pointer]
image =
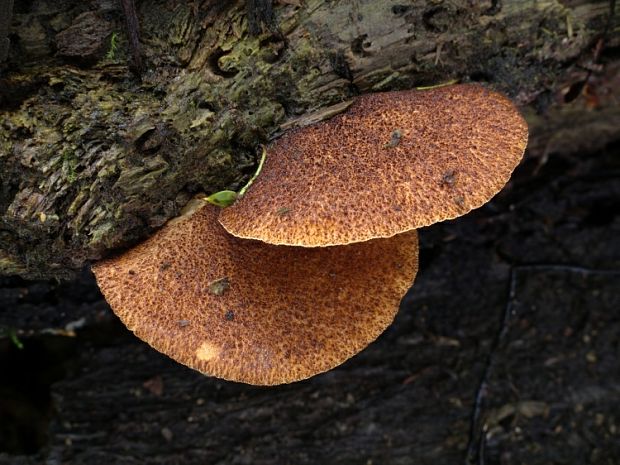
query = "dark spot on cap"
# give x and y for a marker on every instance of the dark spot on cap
(449, 178)
(230, 315)
(394, 139)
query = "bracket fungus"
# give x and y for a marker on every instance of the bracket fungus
(349, 193)
(392, 162)
(254, 312)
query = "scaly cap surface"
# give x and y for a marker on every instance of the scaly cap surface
(253, 312)
(392, 162)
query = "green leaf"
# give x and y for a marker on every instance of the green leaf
(14, 339)
(227, 198)
(222, 198)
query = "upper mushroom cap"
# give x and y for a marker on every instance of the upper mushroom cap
(393, 162)
(254, 312)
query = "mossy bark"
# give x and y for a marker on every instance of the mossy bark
(93, 159)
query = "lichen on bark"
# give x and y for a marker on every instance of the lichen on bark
(93, 159)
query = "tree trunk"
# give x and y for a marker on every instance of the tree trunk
(92, 158)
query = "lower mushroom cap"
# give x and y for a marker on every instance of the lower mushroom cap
(253, 312)
(392, 162)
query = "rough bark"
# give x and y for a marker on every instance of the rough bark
(92, 158)
(504, 352)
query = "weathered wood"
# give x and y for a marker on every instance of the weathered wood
(521, 295)
(92, 159)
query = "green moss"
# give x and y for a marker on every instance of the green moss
(101, 233)
(105, 149)
(69, 164)
(112, 51)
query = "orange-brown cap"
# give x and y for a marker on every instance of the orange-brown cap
(393, 162)
(253, 312)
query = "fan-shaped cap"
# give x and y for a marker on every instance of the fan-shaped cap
(393, 162)
(253, 312)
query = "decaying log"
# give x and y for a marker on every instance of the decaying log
(92, 158)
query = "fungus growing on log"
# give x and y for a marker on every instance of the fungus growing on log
(254, 312)
(392, 162)
(351, 192)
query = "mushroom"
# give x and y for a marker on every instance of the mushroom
(263, 312)
(391, 163)
(254, 312)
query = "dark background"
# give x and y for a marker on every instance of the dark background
(505, 351)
